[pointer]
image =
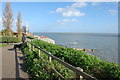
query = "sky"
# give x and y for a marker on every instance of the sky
(75, 17)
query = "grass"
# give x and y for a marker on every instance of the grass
(3, 45)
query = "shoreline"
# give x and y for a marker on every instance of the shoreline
(99, 51)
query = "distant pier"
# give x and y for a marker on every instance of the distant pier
(84, 49)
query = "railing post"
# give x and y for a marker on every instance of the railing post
(78, 76)
(31, 40)
(32, 48)
(49, 58)
(39, 52)
(29, 46)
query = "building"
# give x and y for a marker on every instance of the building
(25, 29)
(44, 38)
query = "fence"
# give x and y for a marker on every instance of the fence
(79, 72)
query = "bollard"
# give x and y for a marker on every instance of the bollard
(78, 76)
(49, 58)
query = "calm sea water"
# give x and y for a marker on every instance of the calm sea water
(106, 45)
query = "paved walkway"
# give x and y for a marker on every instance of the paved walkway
(13, 66)
(0, 63)
(8, 62)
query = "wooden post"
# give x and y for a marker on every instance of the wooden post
(32, 48)
(78, 76)
(49, 58)
(83, 49)
(29, 46)
(38, 53)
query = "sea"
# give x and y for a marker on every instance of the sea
(105, 44)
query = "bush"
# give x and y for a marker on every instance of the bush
(90, 64)
(37, 68)
(10, 39)
(30, 37)
(6, 32)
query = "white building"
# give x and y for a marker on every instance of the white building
(44, 38)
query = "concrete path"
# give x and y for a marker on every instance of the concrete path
(0, 63)
(8, 62)
(13, 64)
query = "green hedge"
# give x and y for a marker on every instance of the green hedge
(90, 64)
(30, 37)
(37, 68)
(10, 39)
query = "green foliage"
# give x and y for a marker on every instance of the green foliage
(90, 64)
(6, 32)
(10, 39)
(3, 45)
(41, 69)
(37, 68)
(30, 37)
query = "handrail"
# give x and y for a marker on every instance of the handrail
(54, 69)
(66, 64)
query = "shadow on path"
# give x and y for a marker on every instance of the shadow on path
(21, 71)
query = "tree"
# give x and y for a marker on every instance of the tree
(8, 18)
(19, 23)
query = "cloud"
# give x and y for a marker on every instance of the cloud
(59, 0)
(95, 0)
(75, 5)
(71, 11)
(113, 12)
(63, 21)
(58, 10)
(95, 3)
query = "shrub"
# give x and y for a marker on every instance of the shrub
(37, 68)
(30, 37)
(90, 64)
(10, 39)
(6, 32)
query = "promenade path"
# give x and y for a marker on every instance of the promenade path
(13, 64)
(8, 62)
(0, 63)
